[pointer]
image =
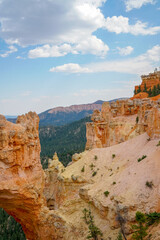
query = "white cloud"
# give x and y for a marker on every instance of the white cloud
(70, 68)
(11, 50)
(91, 45)
(125, 51)
(49, 22)
(50, 51)
(130, 4)
(137, 65)
(20, 57)
(121, 24)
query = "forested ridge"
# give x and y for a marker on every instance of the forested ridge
(65, 140)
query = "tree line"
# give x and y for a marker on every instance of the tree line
(151, 92)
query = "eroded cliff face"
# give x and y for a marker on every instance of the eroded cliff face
(22, 178)
(122, 120)
(49, 203)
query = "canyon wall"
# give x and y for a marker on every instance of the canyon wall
(22, 178)
(49, 204)
(122, 120)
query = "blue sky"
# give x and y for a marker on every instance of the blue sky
(59, 53)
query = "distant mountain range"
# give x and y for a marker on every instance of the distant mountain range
(63, 115)
(59, 116)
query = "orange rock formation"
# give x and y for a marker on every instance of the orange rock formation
(149, 80)
(122, 120)
(49, 204)
(22, 178)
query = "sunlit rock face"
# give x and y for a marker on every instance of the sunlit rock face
(122, 120)
(22, 176)
(149, 81)
(49, 204)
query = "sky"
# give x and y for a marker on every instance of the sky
(60, 53)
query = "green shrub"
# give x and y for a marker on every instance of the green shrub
(83, 168)
(92, 166)
(94, 173)
(152, 218)
(114, 183)
(106, 193)
(95, 157)
(113, 156)
(143, 222)
(140, 159)
(149, 184)
(137, 119)
(158, 144)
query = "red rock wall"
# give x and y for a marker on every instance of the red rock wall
(149, 80)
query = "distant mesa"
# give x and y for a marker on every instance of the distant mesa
(59, 116)
(150, 86)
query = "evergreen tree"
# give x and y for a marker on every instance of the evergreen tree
(154, 91)
(94, 231)
(145, 88)
(140, 228)
(139, 89)
(150, 92)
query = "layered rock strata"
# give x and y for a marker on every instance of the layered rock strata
(22, 178)
(122, 120)
(49, 204)
(149, 81)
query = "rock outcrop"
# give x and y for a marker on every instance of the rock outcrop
(149, 81)
(22, 178)
(49, 204)
(122, 120)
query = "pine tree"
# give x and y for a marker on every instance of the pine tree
(154, 91)
(140, 228)
(139, 89)
(145, 88)
(150, 92)
(94, 231)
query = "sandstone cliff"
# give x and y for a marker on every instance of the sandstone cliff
(49, 203)
(122, 120)
(149, 81)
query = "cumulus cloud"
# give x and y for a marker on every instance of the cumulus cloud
(49, 22)
(91, 45)
(137, 65)
(50, 51)
(130, 4)
(11, 50)
(70, 68)
(125, 51)
(121, 24)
